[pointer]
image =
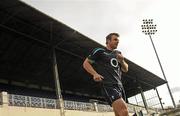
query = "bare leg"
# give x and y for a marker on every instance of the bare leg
(116, 114)
(120, 107)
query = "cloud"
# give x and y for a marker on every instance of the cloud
(175, 89)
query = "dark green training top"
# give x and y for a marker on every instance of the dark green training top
(104, 61)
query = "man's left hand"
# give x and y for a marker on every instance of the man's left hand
(120, 57)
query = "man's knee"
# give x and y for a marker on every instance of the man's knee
(120, 107)
(123, 112)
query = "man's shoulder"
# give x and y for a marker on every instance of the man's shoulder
(95, 50)
(98, 48)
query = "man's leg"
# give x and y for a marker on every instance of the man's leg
(116, 114)
(120, 107)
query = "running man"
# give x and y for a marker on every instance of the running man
(106, 66)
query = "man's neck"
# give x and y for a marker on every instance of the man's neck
(109, 48)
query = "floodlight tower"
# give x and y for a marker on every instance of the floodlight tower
(148, 28)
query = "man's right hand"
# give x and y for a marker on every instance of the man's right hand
(97, 77)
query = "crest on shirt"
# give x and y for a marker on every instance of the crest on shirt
(114, 62)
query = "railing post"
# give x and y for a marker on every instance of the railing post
(94, 102)
(95, 106)
(5, 104)
(143, 98)
(5, 99)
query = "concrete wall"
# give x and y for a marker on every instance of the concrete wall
(6, 110)
(26, 111)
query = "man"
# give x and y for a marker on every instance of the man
(106, 66)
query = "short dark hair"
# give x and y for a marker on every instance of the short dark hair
(108, 37)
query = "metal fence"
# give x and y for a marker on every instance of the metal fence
(73, 105)
(28, 101)
(104, 108)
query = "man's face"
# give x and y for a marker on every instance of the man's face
(113, 42)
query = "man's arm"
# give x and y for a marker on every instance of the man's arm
(88, 67)
(124, 65)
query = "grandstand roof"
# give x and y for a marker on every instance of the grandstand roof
(25, 53)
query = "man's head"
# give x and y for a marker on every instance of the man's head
(112, 40)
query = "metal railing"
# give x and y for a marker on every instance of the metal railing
(104, 108)
(73, 105)
(37, 102)
(28, 101)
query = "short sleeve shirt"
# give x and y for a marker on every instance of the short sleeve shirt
(104, 61)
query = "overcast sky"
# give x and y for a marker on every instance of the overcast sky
(97, 18)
